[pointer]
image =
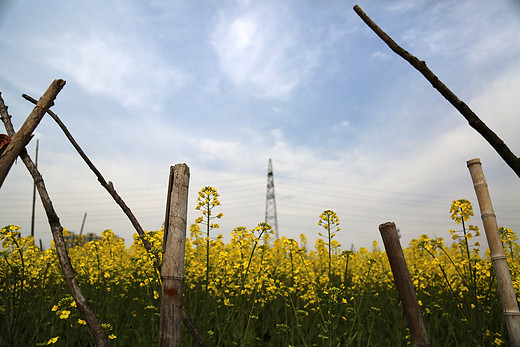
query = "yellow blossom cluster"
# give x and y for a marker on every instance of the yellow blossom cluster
(254, 290)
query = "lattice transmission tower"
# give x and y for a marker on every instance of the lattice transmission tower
(270, 201)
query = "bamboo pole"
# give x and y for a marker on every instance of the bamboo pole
(172, 267)
(498, 256)
(20, 139)
(404, 284)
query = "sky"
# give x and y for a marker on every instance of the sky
(224, 86)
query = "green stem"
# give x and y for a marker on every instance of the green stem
(208, 212)
(314, 289)
(448, 282)
(17, 317)
(472, 276)
(330, 249)
(362, 297)
(226, 323)
(345, 279)
(329, 319)
(297, 321)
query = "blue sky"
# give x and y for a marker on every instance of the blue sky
(225, 85)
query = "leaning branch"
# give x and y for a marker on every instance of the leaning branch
(21, 138)
(110, 188)
(474, 121)
(57, 234)
(107, 185)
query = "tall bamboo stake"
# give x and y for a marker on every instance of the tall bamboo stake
(172, 267)
(498, 256)
(404, 284)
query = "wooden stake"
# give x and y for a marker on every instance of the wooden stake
(404, 284)
(22, 137)
(83, 223)
(172, 267)
(498, 256)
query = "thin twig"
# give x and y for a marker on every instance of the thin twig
(110, 188)
(107, 185)
(192, 328)
(57, 234)
(474, 121)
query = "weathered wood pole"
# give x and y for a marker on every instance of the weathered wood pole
(172, 268)
(498, 256)
(22, 137)
(404, 284)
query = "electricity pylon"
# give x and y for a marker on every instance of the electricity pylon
(270, 201)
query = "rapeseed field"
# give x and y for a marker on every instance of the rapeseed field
(257, 290)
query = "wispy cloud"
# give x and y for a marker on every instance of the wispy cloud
(341, 125)
(112, 66)
(261, 48)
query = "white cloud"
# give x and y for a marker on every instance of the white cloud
(109, 65)
(277, 134)
(378, 56)
(498, 104)
(218, 150)
(261, 49)
(341, 125)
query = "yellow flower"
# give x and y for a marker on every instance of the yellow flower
(328, 220)
(81, 321)
(461, 210)
(64, 314)
(53, 340)
(54, 308)
(112, 336)
(155, 294)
